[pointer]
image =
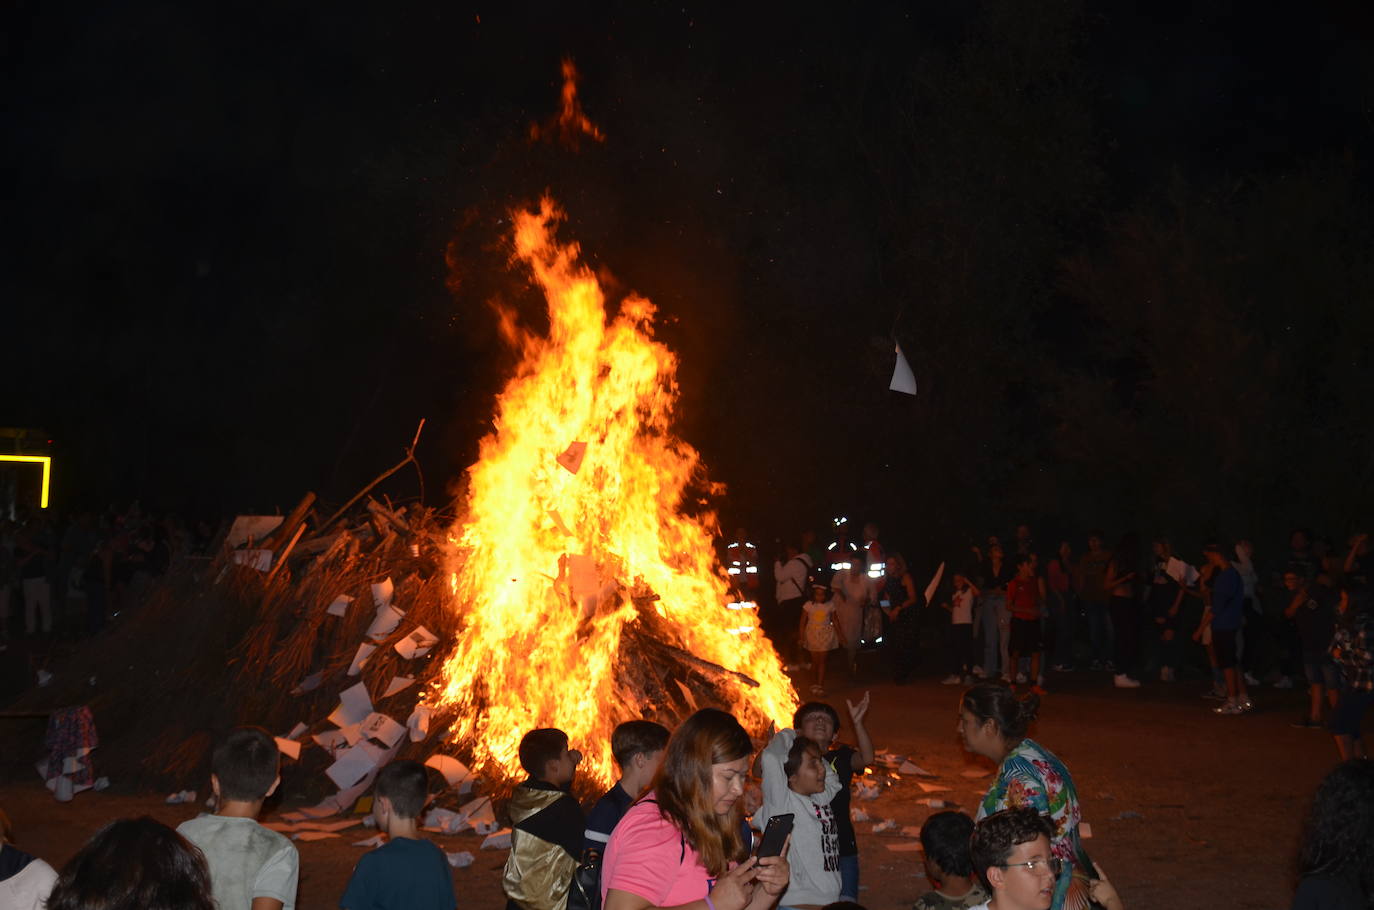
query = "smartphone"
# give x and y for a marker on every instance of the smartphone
(775, 835)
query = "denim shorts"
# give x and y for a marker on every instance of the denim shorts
(1321, 671)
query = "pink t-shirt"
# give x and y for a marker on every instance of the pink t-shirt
(648, 856)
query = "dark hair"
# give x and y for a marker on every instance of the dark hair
(405, 784)
(637, 737)
(1338, 839)
(997, 835)
(815, 707)
(1126, 553)
(686, 779)
(1023, 560)
(246, 764)
(539, 747)
(843, 905)
(998, 703)
(134, 864)
(944, 838)
(800, 746)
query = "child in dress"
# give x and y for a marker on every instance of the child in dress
(820, 634)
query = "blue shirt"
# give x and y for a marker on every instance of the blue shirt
(402, 874)
(1228, 600)
(603, 818)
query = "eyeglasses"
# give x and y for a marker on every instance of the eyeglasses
(1035, 865)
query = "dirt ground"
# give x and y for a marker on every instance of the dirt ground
(1187, 809)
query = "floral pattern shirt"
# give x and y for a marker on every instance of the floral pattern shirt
(1032, 776)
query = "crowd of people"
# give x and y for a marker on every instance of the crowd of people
(1306, 617)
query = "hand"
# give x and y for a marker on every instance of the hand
(1103, 892)
(774, 872)
(857, 712)
(735, 889)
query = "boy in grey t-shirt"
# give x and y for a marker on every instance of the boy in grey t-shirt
(251, 868)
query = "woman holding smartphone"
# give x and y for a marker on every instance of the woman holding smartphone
(682, 844)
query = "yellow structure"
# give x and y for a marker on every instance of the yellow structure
(46, 462)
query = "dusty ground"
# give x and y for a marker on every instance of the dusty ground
(1220, 798)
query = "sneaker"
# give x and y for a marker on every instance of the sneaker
(978, 672)
(1122, 681)
(950, 680)
(1039, 689)
(1228, 708)
(1006, 679)
(1063, 668)
(1250, 680)
(1246, 704)
(1283, 683)
(1096, 665)
(1020, 678)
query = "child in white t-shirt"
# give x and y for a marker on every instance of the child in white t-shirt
(961, 632)
(820, 633)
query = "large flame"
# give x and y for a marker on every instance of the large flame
(548, 558)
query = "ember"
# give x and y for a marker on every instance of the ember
(588, 596)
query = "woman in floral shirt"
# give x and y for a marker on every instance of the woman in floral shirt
(993, 723)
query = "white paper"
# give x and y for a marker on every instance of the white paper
(352, 733)
(383, 729)
(974, 773)
(254, 527)
(325, 809)
(296, 731)
(478, 811)
(559, 524)
(397, 684)
(1181, 572)
(934, 583)
(340, 605)
(382, 591)
(460, 860)
(384, 623)
(444, 821)
(909, 767)
(416, 644)
(375, 840)
(309, 684)
(1085, 830)
(288, 747)
(453, 770)
(497, 841)
(254, 559)
(572, 457)
(418, 722)
(313, 835)
(354, 763)
(331, 740)
(903, 380)
(354, 706)
(360, 658)
(932, 788)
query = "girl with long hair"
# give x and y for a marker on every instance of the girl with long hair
(134, 864)
(993, 723)
(682, 845)
(1336, 860)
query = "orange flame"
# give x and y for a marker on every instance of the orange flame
(571, 121)
(549, 553)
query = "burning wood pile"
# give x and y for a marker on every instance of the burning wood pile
(577, 588)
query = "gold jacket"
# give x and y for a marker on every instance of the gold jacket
(547, 827)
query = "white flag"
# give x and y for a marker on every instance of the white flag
(903, 380)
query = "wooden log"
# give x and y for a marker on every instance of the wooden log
(287, 529)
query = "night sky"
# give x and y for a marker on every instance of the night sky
(227, 280)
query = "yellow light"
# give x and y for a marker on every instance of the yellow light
(46, 461)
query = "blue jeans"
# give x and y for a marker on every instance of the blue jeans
(994, 605)
(849, 878)
(1099, 629)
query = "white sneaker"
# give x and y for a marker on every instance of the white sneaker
(978, 671)
(1283, 683)
(950, 680)
(1122, 681)
(1250, 680)
(1020, 678)
(1229, 708)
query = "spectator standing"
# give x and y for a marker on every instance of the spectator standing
(820, 632)
(961, 607)
(1120, 582)
(547, 824)
(1352, 648)
(791, 576)
(994, 619)
(1092, 572)
(136, 864)
(1060, 582)
(1163, 602)
(797, 780)
(407, 872)
(949, 869)
(1224, 616)
(1312, 608)
(820, 722)
(852, 594)
(1252, 643)
(33, 554)
(900, 605)
(637, 747)
(1023, 602)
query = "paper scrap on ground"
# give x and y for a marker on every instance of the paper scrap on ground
(375, 840)
(313, 835)
(331, 740)
(444, 821)
(903, 380)
(913, 768)
(327, 826)
(460, 860)
(974, 773)
(572, 457)
(478, 811)
(397, 684)
(499, 840)
(451, 768)
(384, 623)
(354, 763)
(323, 810)
(254, 559)
(354, 706)
(934, 583)
(340, 605)
(360, 658)
(309, 684)
(558, 523)
(1085, 829)
(908, 846)
(911, 830)
(890, 758)
(858, 815)
(251, 527)
(182, 796)
(882, 826)
(288, 747)
(383, 729)
(296, 731)
(352, 733)
(418, 722)
(382, 591)
(932, 788)
(417, 643)
(868, 791)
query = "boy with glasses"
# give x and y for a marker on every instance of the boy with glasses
(1011, 856)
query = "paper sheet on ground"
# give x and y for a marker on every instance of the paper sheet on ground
(382, 591)
(296, 731)
(1085, 830)
(417, 643)
(383, 729)
(255, 527)
(384, 623)
(331, 740)
(903, 380)
(375, 840)
(397, 684)
(354, 706)
(354, 763)
(452, 769)
(499, 840)
(418, 722)
(352, 733)
(478, 811)
(913, 768)
(288, 747)
(934, 583)
(932, 788)
(340, 605)
(974, 773)
(360, 658)
(313, 835)
(309, 684)
(572, 457)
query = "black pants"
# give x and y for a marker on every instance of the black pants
(784, 627)
(1126, 626)
(903, 643)
(961, 659)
